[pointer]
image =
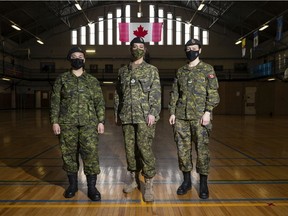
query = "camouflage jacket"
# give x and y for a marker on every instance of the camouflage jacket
(138, 93)
(194, 91)
(77, 100)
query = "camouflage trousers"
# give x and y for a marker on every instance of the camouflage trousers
(138, 140)
(186, 132)
(83, 140)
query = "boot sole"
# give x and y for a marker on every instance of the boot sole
(95, 199)
(179, 193)
(130, 191)
(70, 196)
(204, 197)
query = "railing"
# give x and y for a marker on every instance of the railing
(102, 75)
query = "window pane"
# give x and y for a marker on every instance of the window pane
(110, 28)
(100, 31)
(169, 29)
(205, 35)
(196, 34)
(118, 20)
(187, 32)
(178, 31)
(92, 33)
(160, 20)
(74, 37)
(127, 17)
(83, 35)
(152, 17)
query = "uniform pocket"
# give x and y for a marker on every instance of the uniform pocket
(146, 85)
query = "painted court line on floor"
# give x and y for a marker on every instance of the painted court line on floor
(142, 204)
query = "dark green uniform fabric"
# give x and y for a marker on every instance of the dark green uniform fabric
(186, 131)
(138, 94)
(77, 105)
(194, 91)
(138, 147)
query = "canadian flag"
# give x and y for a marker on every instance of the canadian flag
(148, 31)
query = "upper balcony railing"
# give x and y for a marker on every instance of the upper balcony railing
(23, 73)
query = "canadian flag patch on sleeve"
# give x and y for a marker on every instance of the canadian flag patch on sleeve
(211, 76)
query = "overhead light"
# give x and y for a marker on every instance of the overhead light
(78, 6)
(139, 14)
(16, 27)
(238, 42)
(40, 41)
(188, 23)
(201, 7)
(90, 51)
(90, 24)
(5, 79)
(138, 0)
(263, 27)
(107, 82)
(271, 79)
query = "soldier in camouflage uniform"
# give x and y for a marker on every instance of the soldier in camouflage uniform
(193, 97)
(137, 107)
(77, 115)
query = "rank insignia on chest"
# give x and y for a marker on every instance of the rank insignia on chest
(189, 81)
(132, 81)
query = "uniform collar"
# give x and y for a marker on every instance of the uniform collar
(139, 66)
(84, 74)
(199, 65)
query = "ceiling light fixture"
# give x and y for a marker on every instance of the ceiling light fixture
(263, 27)
(77, 5)
(238, 42)
(271, 79)
(90, 51)
(139, 13)
(5, 79)
(16, 27)
(201, 7)
(90, 24)
(40, 41)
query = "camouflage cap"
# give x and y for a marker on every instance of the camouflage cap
(73, 50)
(193, 42)
(137, 40)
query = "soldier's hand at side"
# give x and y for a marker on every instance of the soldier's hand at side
(150, 120)
(56, 129)
(172, 120)
(101, 128)
(205, 120)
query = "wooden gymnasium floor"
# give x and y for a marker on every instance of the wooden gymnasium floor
(249, 175)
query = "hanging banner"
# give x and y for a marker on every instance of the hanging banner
(148, 31)
(243, 47)
(279, 28)
(255, 39)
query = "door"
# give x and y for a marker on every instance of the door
(250, 94)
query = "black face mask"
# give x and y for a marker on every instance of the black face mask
(77, 63)
(192, 55)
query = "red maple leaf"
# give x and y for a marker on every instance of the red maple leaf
(140, 32)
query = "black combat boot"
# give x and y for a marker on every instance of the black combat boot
(186, 184)
(93, 193)
(203, 191)
(73, 185)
